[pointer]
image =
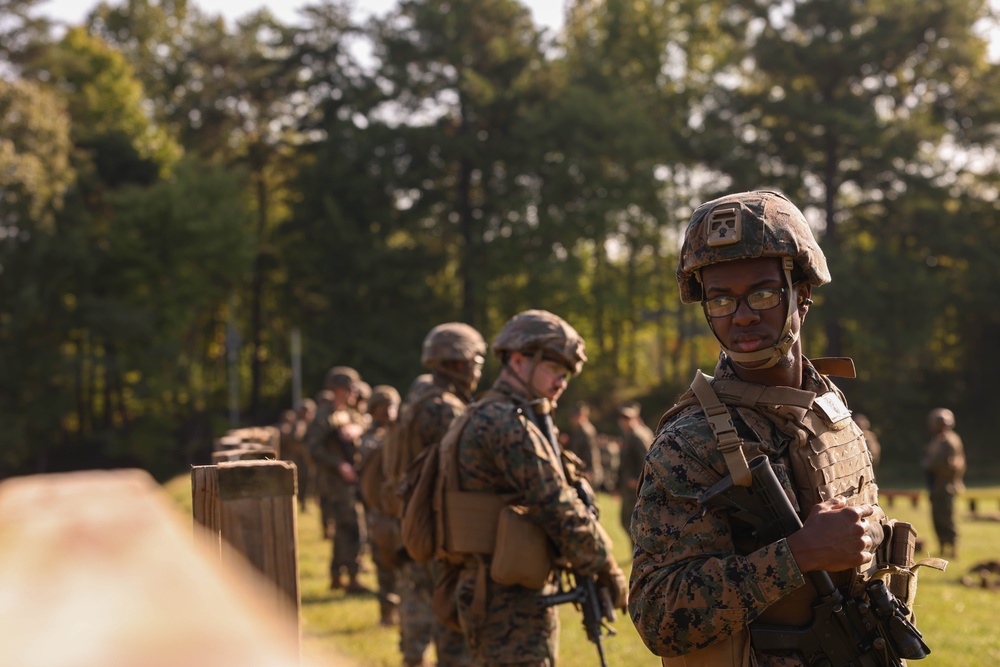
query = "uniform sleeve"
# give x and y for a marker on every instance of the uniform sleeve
(528, 464)
(688, 587)
(433, 421)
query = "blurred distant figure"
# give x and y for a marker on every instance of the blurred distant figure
(610, 459)
(361, 397)
(636, 439)
(332, 439)
(293, 447)
(383, 527)
(581, 439)
(944, 465)
(453, 352)
(874, 447)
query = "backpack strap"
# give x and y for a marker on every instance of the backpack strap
(721, 423)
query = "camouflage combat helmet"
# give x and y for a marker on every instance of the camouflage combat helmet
(341, 377)
(747, 225)
(452, 341)
(941, 417)
(382, 395)
(751, 225)
(541, 331)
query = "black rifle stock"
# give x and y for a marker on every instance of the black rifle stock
(844, 632)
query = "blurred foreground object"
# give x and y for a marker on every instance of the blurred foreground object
(97, 569)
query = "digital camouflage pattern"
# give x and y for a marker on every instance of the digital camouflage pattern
(545, 332)
(423, 421)
(747, 225)
(416, 619)
(386, 571)
(696, 578)
(501, 452)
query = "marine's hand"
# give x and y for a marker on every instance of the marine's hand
(834, 537)
(612, 579)
(347, 472)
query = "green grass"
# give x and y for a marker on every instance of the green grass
(958, 622)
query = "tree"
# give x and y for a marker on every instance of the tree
(460, 77)
(832, 100)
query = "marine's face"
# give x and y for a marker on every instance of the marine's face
(749, 330)
(548, 378)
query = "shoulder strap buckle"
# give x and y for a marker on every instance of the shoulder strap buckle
(721, 423)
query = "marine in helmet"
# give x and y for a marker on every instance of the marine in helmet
(382, 527)
(700, 578)
(293, 448)
(636, 439)
(944, 466)
(331, 440)
(582, 440)
(505, 445)
(453, 352)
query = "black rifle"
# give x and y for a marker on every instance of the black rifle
(585, 595)
(844, 632)
(595, 605)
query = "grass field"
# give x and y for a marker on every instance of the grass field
(959, 623)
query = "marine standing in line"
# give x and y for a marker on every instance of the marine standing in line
(453, 352)
(505, 446)
(582, 441)
(702, 583)
(636, 439)
(332, 443)
(382, 527)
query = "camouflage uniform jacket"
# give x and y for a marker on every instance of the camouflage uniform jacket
(696, 577)
(635, 445)
(326, 447)
(434, 414)
(370, 443)
(945, 463)
(500, 451)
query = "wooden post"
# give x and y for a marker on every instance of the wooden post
(257, 517)
(205, 503)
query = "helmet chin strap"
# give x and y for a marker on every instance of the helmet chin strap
(771, 355)
(542, 404)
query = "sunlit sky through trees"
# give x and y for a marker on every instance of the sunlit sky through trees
(547, 13)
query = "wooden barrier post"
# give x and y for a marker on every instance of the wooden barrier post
(251, 505)
(205, 503)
